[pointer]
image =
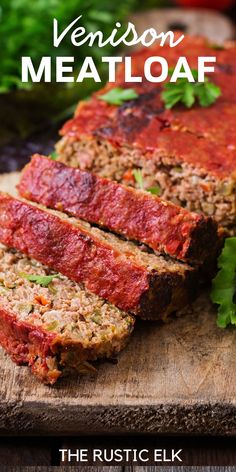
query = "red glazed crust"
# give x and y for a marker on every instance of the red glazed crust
(134, 214)
(28, 344)
(204, 138)
(105, 269)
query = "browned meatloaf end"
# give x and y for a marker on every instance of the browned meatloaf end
(58, 328)
(145, 284)
(189, 154)
(135, 214)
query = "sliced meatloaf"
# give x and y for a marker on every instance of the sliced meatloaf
(189, 154)
(58, 326)
(135, 214)
(145, 284)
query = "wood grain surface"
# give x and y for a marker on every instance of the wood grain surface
(179, 469)
(118, 469)
(173, 378)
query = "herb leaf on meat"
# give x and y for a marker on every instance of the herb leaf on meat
(52, 326)
(207, 93)
(53, 156)
(224, 285)
(43, 280)
(155, 190)
(118, 95)
(187, 93)
(137, 173)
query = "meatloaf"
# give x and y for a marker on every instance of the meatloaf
(145, 284)
(57, 327)
(189, 154)
(135, 214)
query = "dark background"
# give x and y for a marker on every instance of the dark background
(197, 451)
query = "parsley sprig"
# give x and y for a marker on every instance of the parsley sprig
(118, 95)
(43, 280)
(53, 155)
(224, 285)
(137, 173)
(187, 93)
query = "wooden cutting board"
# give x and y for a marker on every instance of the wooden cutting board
(173, 378)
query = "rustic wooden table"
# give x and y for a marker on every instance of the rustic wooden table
(177, 378)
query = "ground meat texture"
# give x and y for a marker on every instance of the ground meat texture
(137, 215)
(190, 154)
(145, 284)
(186, 185)
(55, 329)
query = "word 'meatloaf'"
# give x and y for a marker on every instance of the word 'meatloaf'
(142, 283)
(163, 226)
(88, 69)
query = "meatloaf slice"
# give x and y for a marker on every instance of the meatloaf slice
(189, 154)
(145, 284)
(135, 214)
(58, 327)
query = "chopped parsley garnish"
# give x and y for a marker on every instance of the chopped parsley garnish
(224, 285)
(137, 173)
(187, 93)
(118, 95)
(51, 326)
(43, 280)
(155, 190)
(53, 156)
